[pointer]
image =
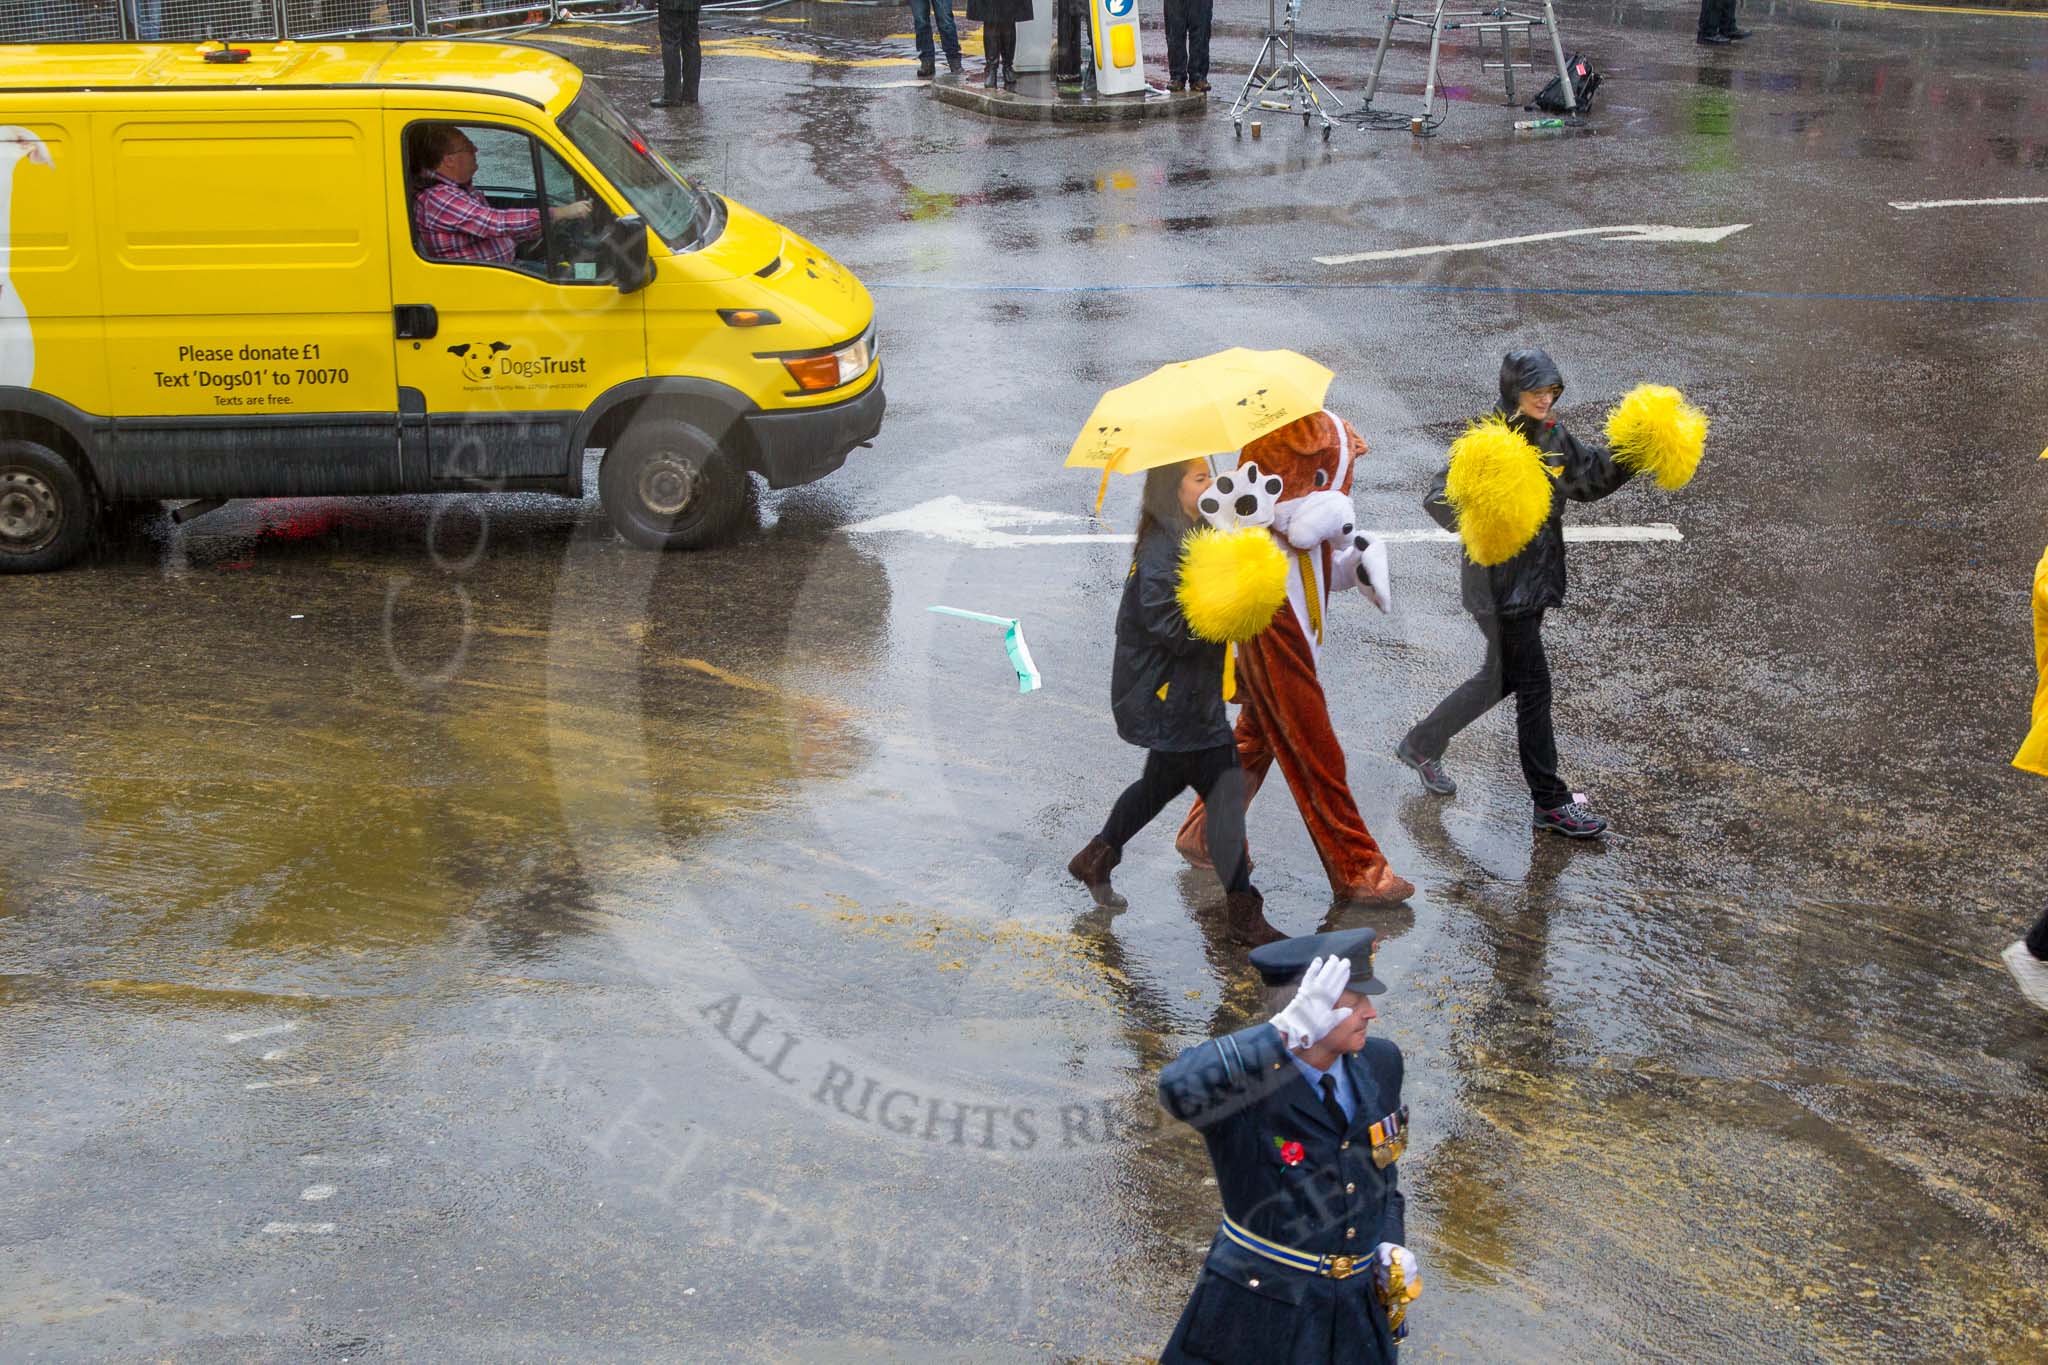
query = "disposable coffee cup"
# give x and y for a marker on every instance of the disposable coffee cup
(1256, 126)
(1415, 125)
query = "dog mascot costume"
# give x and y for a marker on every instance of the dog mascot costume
(1297, 482)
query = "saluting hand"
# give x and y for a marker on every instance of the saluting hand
(1313, 1012)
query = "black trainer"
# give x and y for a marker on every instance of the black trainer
(1572, 820)
(1430, 770)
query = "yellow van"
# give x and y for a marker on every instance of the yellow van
(399, 267)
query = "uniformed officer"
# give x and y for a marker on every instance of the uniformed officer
(1304, 1123)
(682, 58)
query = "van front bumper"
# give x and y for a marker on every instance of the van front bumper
(792, 448)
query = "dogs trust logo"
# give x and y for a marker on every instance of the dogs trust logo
(480, 358)
(1263, 410)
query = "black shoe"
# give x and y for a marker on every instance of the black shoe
(992, 77)
(924, 69)
(953, 63)
(1712, 39)
(1572, 820)
(668, 102)
(1734, 35)
(1177, 84)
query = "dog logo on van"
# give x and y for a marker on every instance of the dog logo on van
(480, 358)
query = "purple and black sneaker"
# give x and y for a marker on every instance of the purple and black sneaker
(1572, 820)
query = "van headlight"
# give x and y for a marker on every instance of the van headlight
(816, 373)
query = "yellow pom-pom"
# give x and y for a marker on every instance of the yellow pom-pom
(1499, 487)
(1654, 430)
(1231, 583)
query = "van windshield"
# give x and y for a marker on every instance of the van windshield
(672, 206)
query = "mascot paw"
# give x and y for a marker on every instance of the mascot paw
(1319, 517)
(1246, 496)
(1366, 560)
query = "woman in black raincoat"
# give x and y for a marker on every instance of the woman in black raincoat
(1166, 692)
(999, 20)
(1508, 601)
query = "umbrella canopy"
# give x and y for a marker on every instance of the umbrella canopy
(1195, 408)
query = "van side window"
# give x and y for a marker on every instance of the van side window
(493, 196)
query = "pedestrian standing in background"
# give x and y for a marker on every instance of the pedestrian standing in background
(1717, 23)
(682, 57)
(924, 14)
(999, 20)
(2027, 959)
(1187, 44)
(1069, 23)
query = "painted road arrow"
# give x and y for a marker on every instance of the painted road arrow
(1631, 232)
(1914, 204)
(984, 526)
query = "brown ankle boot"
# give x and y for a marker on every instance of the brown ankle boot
(1246, 913)
(1091, 867)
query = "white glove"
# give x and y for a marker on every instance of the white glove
(1309, 522)
(1313, 1012)
(1362, 563)
(1387, 1255)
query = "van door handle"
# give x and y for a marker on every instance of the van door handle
(416, 321)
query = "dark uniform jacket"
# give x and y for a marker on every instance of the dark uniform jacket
(999, 11)
(1534, 579)
(1155, 649)
(1249, 1100)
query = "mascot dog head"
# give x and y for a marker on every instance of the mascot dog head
(480, 358)
(1312, 457)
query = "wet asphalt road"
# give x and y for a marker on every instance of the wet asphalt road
(436, 931)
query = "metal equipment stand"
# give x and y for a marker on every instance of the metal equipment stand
(1500, 19)
(1283, 72)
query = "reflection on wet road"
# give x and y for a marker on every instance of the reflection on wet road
(434, 930)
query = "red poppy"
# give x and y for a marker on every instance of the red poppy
(1291, 1153)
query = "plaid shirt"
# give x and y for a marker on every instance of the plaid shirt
(458, 224)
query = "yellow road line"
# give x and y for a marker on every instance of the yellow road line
(1939, 9)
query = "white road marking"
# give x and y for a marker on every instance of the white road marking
(1637, 232)
(286, 1229)
(1912, 204)
(978, 525)
(313, 1194)
(260, 1032)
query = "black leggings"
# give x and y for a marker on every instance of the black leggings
(1215, 775)
(1515, 663)
(2037, 937)
(999, 45)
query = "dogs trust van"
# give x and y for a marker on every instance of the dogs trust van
(244, 273)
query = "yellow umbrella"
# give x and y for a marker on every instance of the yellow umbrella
(1195, 408)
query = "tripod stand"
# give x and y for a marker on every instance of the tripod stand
(1499, 19)
(1284, 72)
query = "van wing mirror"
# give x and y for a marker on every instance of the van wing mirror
(623, 253)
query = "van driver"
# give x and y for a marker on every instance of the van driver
(455, 222)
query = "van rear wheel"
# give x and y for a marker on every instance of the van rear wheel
(666, 485)
(46, 510)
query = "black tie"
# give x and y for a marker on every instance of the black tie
(1331, 1107)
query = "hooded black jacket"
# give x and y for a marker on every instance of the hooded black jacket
(1533, 580)
(1155, 649)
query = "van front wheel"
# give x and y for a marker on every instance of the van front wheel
(46, 511)
(667, 486)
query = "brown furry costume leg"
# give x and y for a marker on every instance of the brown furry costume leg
(1285, 716)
